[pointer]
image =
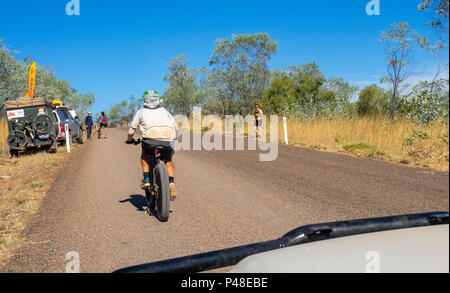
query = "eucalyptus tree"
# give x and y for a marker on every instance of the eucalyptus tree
(183, 92)
(439, 18)
(240, 71)
(399, 43)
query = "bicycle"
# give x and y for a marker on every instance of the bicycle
(99, 131)
(38, 128)
(158, 195)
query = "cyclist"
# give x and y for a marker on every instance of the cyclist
(103, 120)
(158, 129)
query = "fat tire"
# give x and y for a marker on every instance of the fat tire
(163, 198)
(81, 138)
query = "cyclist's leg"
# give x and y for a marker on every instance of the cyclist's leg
(147, 153)
(145, 162)
(106, 132)
(170, 169)
(167, 155)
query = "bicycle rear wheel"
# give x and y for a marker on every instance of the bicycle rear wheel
(163, 193)
(17, 140)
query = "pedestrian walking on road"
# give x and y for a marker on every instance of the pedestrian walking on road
(88, 123)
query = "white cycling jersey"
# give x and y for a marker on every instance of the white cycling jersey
(155, 124)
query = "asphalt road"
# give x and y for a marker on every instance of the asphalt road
(226, 199)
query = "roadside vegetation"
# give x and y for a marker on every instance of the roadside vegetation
(392, 119)
(400, 141)
(4, 149)
(25, 181)
(14, 83)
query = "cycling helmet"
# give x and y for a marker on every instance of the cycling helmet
(151, 99)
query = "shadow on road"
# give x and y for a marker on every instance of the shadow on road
(141, 204)
(138, 201)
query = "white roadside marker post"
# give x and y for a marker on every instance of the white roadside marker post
(286, 141)
(66, 128)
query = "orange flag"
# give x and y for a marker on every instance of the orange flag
(31, 81)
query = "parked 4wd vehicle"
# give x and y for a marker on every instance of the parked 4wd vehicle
(63, 117)
(30, 125)
(77, 119)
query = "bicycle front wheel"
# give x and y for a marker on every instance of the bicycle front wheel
(163, 196)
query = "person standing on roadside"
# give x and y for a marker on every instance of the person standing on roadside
(259, 119)
(88, 123)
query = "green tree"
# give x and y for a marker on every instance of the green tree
(183, 92)
(14, 83)
(309, 79)
(281, 96)
(426, 104)
(340, 105)
(13, 78)
(240, 72)
(373, 101)
(439, 18)
(124, 111)
(81, 103)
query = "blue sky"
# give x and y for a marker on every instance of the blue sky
(117, 48)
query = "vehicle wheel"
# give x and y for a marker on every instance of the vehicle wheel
(81, 138)
(151, 199)
(42, 124)
(17, 140)
(64, 142)
(14, 153)
(163, 196)
(54, 147)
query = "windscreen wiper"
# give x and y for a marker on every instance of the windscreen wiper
(306, 234)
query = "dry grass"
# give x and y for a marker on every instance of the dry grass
(24, 182)
(4, 149)
(399, 141)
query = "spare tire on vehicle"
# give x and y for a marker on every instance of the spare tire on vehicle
(42, 124)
